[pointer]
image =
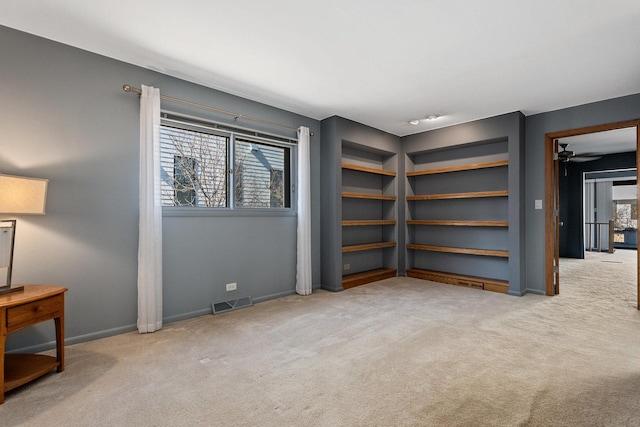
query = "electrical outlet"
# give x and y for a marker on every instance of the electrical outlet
(232, 286)
(347, 266)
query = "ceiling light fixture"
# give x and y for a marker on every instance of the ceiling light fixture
(430, 117)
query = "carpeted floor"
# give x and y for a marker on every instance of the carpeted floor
(400, 352)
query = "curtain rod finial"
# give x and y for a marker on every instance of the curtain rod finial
(126, 88)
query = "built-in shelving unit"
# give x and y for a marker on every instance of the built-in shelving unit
(446, 204)
(371, 223)
(362, 237)
(474, 207)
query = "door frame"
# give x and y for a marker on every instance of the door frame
(551, 217)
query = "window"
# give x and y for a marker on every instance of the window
(259, 175)
(195, 171)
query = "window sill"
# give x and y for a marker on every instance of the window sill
(170, 211)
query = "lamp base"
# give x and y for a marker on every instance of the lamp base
(7, 289)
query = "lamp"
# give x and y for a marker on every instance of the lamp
(18, 196)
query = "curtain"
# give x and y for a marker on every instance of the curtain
(150, 222)
(303, 276)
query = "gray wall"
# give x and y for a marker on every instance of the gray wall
(609, 111)
(508, 127)
(65, 117)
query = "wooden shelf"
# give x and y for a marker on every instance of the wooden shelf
(367, 222)
(475, 282)
(367, 246)
(359, 168)
(357, 279)
(470, 166)
(471, 195)
(23, 368)
(465, 251)
(351, 195)
(458, 223)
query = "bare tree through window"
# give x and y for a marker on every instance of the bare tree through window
(185, 181)
(195, 171)
(194, 165)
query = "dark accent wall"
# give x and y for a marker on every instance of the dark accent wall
(571, 199)
(597, 113)
(336, 133)
(509, 128)
(65, 117)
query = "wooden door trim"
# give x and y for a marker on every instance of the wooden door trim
(548, 216)
(550, 233)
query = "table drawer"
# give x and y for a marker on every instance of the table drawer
(34, 312)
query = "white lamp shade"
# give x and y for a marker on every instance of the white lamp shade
(20, 195)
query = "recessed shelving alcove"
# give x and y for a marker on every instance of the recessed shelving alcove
(368, 216)
(445, 205)
(457, 216)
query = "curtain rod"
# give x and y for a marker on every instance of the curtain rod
(236, 116)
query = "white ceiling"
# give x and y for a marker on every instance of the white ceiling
(378, 62)
(608, 142)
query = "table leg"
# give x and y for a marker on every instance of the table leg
(59, 321)
(3, 339)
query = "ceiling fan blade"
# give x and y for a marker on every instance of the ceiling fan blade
(591, 154)
(580, 159)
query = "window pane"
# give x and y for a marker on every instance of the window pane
(185, 181)
(261, 175)
(194, 166)
(276, 188)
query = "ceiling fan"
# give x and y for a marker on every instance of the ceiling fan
(566, 156)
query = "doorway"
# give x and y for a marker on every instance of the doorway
(552, 213)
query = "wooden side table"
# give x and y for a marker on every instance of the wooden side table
(35, 304)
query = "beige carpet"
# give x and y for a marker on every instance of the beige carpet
(401, 352)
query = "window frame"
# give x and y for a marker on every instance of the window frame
(190, 123)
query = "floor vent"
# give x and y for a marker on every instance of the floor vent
(234, 304)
